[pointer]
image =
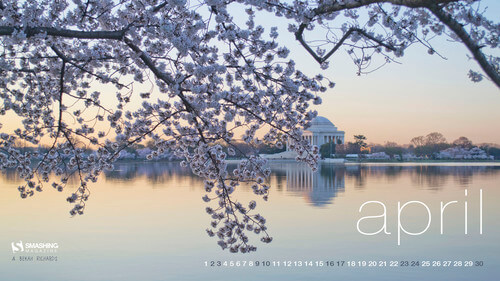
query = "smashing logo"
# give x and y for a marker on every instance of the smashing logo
(16, 247)
(31, 247)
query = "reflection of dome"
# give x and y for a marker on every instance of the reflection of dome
(317, 188)
(320, 198)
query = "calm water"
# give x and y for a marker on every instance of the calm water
(147, 222)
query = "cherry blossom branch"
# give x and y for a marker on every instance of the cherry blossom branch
(471, 45)
(435, 6)
(65, 33)
(149, 62)
(61, 93)
(328, 7)
(70, 61)
(299, 36)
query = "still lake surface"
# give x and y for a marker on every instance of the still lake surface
(146, 221)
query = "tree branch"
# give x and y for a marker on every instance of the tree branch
(70, 61)
(328, 7)
(149, 62)
(475, 49)
(335, 6)
(67, 33)
(157, 72)
(61, 93)
(300, 38)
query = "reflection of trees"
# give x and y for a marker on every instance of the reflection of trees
(154, 172)
(319, 187)
(432, 177)
(300, 177)
(435, 177)
(10, 176)
(358, 174)
(464, 178)
(427, 176)
(392, 173)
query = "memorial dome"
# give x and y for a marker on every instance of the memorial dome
(321, 124)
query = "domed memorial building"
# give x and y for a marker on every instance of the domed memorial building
(323, 131)
(320, 131)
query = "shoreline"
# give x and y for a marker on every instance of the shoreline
(340, 161)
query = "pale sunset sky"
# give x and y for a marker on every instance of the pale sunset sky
(422, 95)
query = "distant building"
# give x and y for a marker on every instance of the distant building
(323, 131)
(320, 131)
(352, 156)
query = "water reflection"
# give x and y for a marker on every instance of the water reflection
(154, 172)
(424, 176)
(322, 186)
(318, 188)
(146, 221)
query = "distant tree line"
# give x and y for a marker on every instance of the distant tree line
(421, 146)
